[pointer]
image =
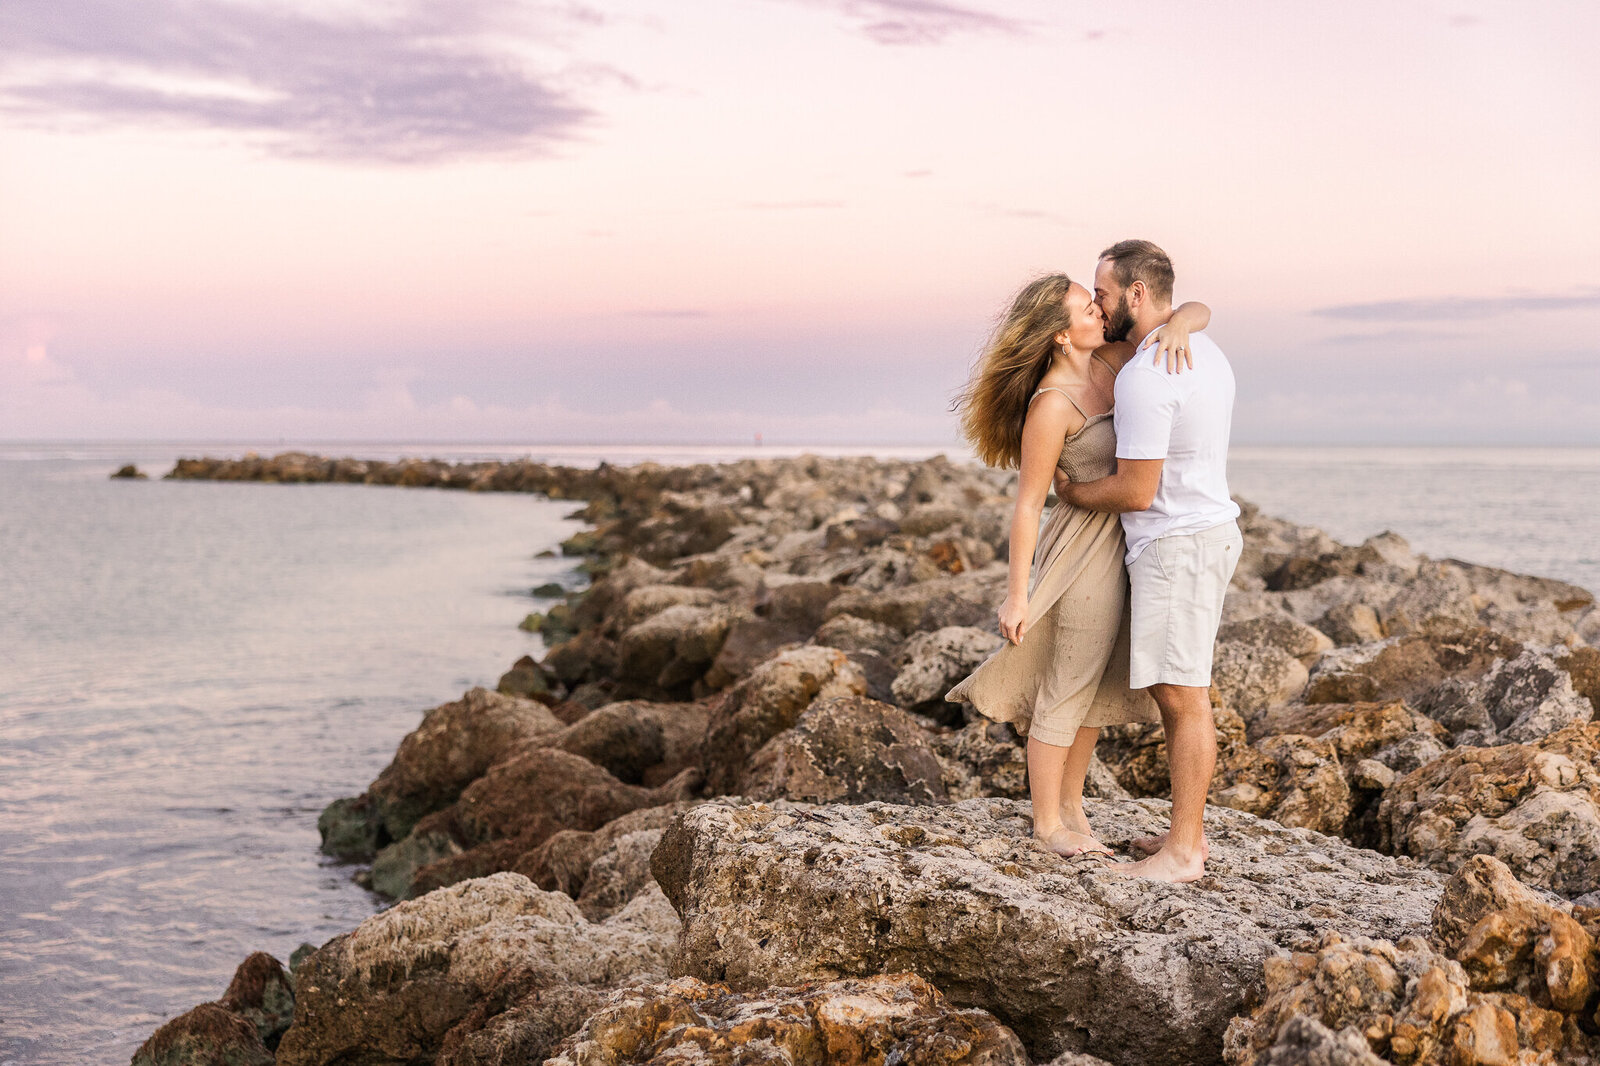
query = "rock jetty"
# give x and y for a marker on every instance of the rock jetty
(728, 817)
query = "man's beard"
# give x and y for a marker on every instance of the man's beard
(1119, 320)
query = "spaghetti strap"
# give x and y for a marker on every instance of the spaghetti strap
(1108, 366)
(1052, 388)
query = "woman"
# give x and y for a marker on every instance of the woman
(1040, 399)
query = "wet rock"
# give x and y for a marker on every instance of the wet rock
(959, 895)
(1535, 807)
(262, 993)
(455, 744)
(352, 829)
(770, 700)
(395, 988)
(527, 678)
(208, 1035)
(848, 749)
(431, 841)
(867, 1021)
(589, 656)
(637, 741)
(130, 472)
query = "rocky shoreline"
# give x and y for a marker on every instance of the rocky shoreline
(728, 817)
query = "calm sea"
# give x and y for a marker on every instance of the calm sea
(189, 671)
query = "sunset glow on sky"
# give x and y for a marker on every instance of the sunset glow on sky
(650, 221)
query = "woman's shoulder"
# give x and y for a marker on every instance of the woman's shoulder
(1117, 353)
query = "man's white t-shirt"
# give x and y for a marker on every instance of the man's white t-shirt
(1184, 419)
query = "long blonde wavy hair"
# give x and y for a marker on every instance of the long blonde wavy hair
(994, 402)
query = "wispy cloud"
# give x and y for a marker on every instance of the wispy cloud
(1451, 308)
(901, 22)
(422, 85)
(791, 205)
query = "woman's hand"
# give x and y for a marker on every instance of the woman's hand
(1171, 342)
(1013, 619)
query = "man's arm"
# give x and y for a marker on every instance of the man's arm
(1131, 488)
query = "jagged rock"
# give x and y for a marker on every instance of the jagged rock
(527, 678)
(1279, 631)
(618, 874)
(1535, 807)
(395, 988)
(899, 608)
(766, 703)
(208, 1035)
(1519, 988)
(1351, 623)
(1407, 667)
(262, 993)
(848, 749)
(872, 646)
(750, 642)
(637, 741)
(645, 601)
(933, 663)
(508, 813)
(671, 650)
(352, 829)
(455, 744)
(1253, 677)
(1291, 779)
(868, 1021)
(1582, 665)
(1072, 956)
(1516, 700)
(588, 656)
(1374, 743)
(564, 861)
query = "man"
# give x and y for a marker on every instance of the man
(1171, 489)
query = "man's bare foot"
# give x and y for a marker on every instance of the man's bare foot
(1067, 842)
(1165, 865)
(1151, 845)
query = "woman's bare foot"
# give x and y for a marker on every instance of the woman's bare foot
(1067, 842)
(1150, 845)
(1166, 865)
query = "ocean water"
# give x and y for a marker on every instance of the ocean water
(190, 671)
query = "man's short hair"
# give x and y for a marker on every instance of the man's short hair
(1133, 261)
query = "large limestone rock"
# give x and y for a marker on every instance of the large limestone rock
(869, 1021)
(1535, 807)
(933, 663)
(498, 961)
(1072, 956)
(453, 747)
(766, 703)
(848, 749)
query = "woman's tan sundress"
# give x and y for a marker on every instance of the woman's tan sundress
(1071, 669)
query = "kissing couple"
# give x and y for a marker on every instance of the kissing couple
(1124, 406)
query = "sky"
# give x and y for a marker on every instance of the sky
(670, 221)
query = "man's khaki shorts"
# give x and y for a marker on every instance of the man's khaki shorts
(1178, 585)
